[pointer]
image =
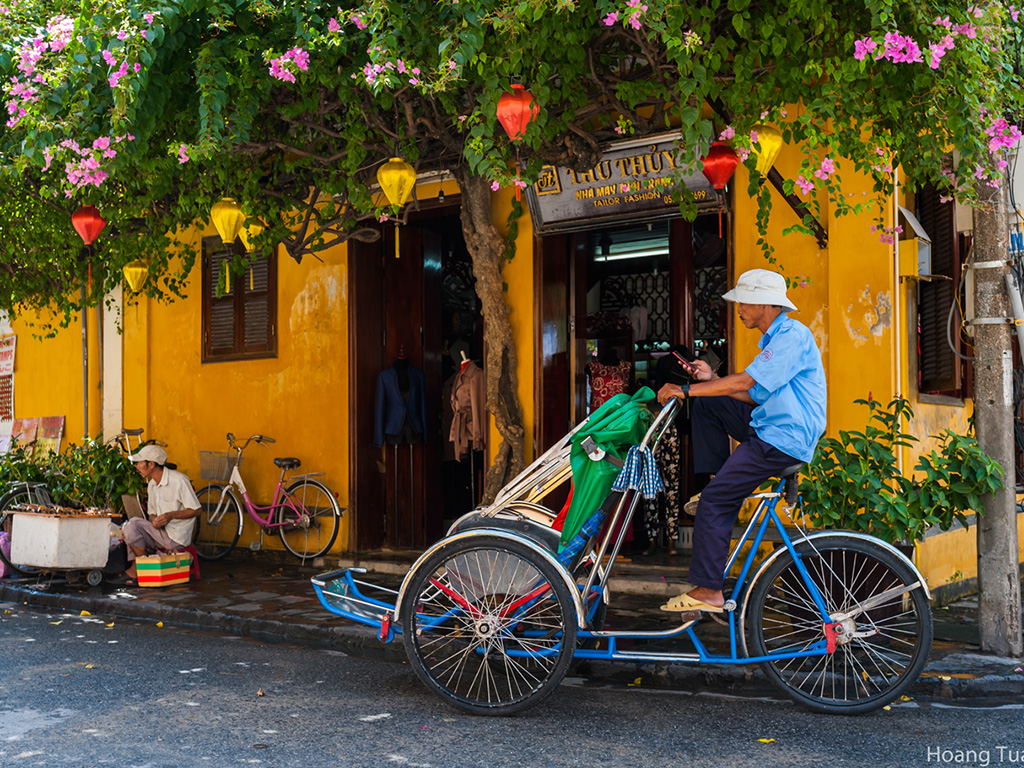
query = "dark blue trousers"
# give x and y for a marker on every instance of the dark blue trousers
(737, 475)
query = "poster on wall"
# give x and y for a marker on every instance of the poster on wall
(49, 435)
(6, 391)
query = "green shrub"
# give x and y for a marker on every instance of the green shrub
(91, 474)
(855, 483)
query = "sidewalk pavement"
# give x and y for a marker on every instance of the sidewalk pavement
(265, 597)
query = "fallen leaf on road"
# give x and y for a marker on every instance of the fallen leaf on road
(83, 613)
(449, 719)
(766, 741)
(260, 693)
(159, 623)
(55, 623)
(886, 707)
(945, 677)
(635, 683)
(110, 624)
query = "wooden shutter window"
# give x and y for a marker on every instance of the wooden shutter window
(938, 365)
(241, 323)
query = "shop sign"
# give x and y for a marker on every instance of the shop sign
(633, 180)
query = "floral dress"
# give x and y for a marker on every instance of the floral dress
(606, 381)
(666, 505)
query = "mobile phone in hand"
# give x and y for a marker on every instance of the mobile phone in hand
(687, 366)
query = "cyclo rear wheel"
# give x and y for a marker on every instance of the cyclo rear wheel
(880, 651)
(488, 625)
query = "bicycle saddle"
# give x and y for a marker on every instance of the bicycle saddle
(789, 472)
(287, 463)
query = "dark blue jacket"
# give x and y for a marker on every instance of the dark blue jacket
(392, 409)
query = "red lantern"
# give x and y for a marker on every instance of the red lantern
(516, 110)
(719, 166)
(88, 223)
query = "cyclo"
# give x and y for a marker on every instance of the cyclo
(493, 614)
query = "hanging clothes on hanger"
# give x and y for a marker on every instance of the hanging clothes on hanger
(400, 405)
(469, 407)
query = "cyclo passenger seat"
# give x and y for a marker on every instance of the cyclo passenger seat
(287, 463)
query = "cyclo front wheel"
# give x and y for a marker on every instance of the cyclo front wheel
(309, 530)
(877, 603)
(488, 625)
(219, 524)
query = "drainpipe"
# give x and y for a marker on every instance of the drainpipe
(897, 293)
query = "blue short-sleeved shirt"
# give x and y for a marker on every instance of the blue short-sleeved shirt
(790, 389)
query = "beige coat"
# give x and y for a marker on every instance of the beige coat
(469, 407)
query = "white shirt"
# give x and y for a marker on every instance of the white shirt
(173, 493)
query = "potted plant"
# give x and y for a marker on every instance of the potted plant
(855, 483)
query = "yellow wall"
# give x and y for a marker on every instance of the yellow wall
(300, 398)
(519, 276)
(48, 374)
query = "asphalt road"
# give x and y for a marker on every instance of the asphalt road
(85, 692)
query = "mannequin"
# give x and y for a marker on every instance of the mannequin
(469, 405)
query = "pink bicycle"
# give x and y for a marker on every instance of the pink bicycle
(305, 514)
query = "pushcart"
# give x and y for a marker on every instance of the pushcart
(492, 615)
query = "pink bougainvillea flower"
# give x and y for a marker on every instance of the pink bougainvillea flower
(358, 21)
(611, 18)
(727, 133)
(183, 154)
(805, 185)
(333, 25)
(495, 186)
(862, 47)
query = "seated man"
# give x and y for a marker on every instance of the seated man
(775, 409)
(173, 508)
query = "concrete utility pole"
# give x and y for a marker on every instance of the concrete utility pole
(999, 606)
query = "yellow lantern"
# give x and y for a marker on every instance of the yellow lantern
(227, 218)
(250, 230)
(769, 144)
(135, 272)
(397, 180)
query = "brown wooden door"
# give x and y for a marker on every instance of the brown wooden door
(395, 489)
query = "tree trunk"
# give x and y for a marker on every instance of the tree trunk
(486, 247)
(999, 620)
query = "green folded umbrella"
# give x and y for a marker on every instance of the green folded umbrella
(616, 426)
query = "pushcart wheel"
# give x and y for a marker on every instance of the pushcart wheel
(879, 652)
(94, 578)
(17, 496)
(488, 625)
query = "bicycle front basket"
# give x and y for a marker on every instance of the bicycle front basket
(215, 466)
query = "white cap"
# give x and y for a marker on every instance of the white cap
(760, 286)
(153, 453)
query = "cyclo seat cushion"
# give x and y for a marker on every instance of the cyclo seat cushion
(287, 463)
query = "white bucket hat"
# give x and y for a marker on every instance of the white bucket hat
(153, 453)
(760, 286)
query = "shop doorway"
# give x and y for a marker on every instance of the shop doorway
(615, 303)
(411, 319)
